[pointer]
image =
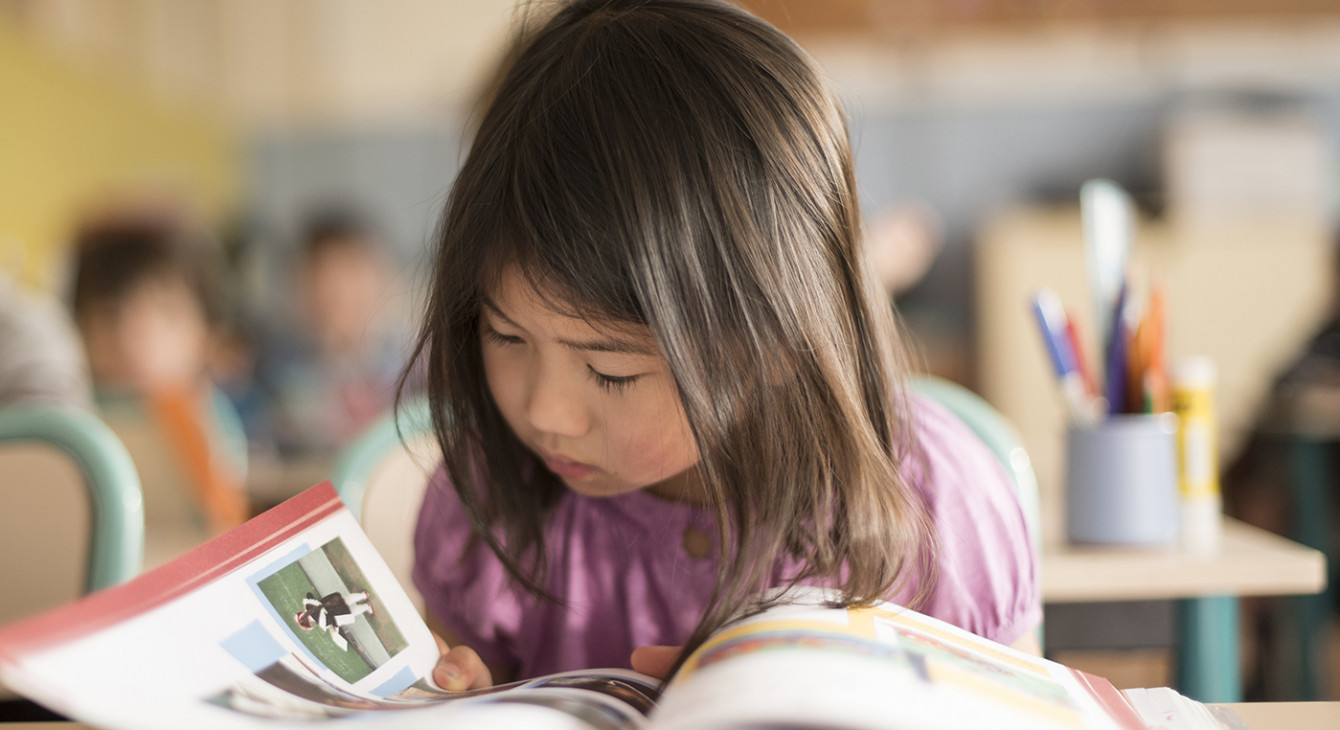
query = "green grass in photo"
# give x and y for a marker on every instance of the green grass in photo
(344, 564)
(285, 590)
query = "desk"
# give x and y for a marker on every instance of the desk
(1288, 715)
(271, 480)
(1250, 562)
(1257, 715)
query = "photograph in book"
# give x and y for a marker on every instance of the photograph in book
(323, 599)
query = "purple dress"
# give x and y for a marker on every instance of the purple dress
(621, 565)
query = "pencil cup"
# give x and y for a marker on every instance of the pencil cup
(1121, 481)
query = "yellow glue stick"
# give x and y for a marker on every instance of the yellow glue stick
(1193, 386)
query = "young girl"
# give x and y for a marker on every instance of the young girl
(662, 373)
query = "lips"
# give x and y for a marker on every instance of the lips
(567, 468)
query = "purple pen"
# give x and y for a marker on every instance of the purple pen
(1117, 365)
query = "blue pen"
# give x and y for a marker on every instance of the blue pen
(1117, 365)
(1056, 335)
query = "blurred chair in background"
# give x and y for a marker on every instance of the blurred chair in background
(382, 476)
(145, 298)
(1001, 437)
(71, 506)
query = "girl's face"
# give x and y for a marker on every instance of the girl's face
(599, 406)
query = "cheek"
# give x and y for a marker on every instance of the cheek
(655, 442)
(505, 383)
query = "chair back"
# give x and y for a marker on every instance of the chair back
(1001, 437)
(70, 505)
(997, 433)
(382, 477)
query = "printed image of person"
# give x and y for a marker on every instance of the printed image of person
(332, 612)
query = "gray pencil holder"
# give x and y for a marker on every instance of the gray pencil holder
(1121, 481)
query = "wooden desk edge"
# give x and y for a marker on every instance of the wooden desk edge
(1251, 562)
(1288, 715)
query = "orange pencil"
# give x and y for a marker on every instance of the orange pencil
(1158, 392)
(1137, 361)
(1081, 356)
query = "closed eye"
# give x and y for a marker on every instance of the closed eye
(499, 338)
(616, 383)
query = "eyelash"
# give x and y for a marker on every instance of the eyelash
(499, 338)
(613, 383)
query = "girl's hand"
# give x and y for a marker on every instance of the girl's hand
(655, 660)
(460, 668)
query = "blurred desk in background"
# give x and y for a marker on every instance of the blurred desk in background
(1288, 715)
(1250, 562)
(273, 480)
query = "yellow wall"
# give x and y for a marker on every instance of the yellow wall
(71, 136)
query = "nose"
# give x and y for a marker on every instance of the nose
(555, 406)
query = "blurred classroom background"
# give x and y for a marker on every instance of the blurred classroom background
(273, 128)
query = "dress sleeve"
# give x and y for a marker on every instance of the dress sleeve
(987, 578)
(467, 590)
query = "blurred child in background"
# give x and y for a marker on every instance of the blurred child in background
(335, 371)
(145, 298)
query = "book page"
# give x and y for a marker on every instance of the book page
(809, 665)
(289, 619)
(1163, 708)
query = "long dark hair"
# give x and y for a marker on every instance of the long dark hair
(680, 164)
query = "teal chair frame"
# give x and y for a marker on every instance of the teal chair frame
(1001, 437)
(356, 463)
(116, 544)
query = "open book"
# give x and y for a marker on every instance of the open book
(293, 619)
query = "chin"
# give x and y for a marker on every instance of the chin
(597, 489)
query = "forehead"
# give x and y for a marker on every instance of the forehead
(533, 304)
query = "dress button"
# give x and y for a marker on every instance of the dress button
(697, 543)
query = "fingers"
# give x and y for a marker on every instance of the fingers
(655, 661)
(460, 668)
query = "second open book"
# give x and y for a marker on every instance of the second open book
(293, 619)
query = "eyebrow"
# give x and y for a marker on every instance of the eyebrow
(604, 344)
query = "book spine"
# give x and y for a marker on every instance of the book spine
(1113, 702)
